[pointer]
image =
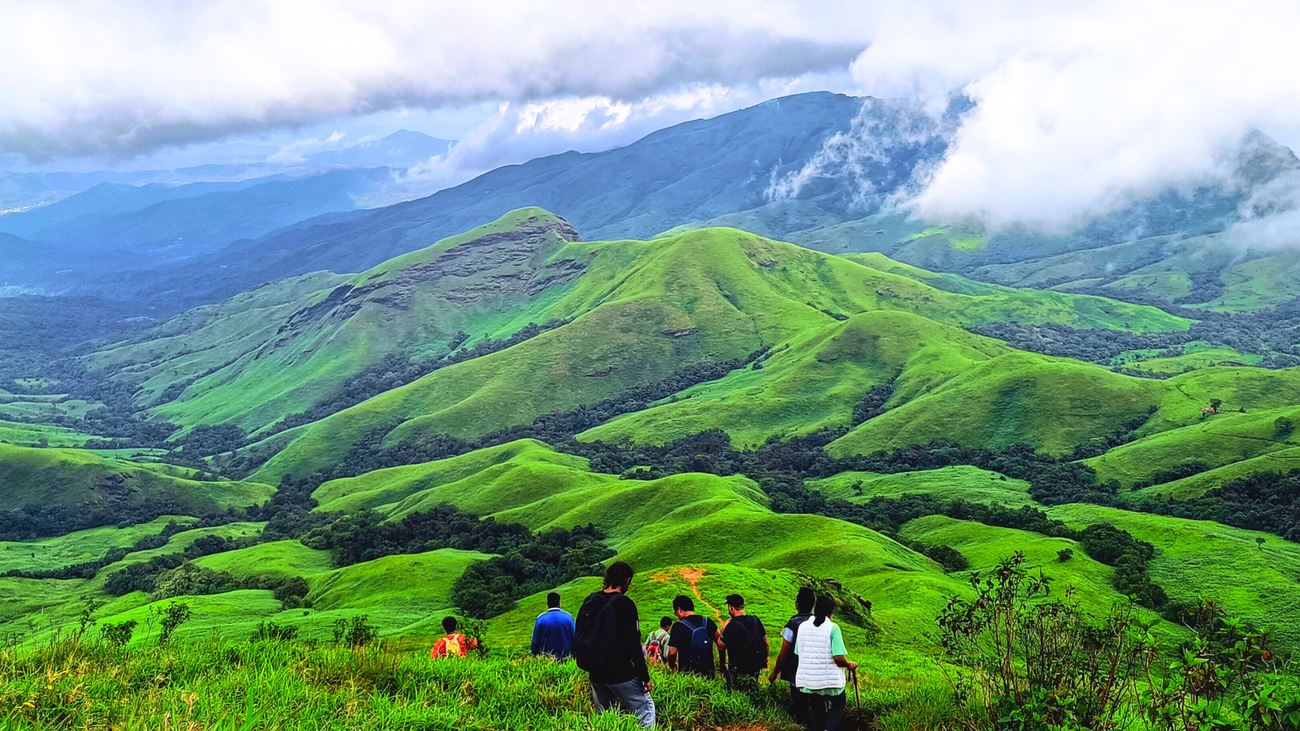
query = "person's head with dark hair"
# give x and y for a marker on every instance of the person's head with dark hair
(683, 606)
(665, 623)
(805, 600)
(449, 624)
(553, 600)
(824, 608)
(735, 605)
(618, 576)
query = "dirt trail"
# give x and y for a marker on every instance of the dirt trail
(692, 577)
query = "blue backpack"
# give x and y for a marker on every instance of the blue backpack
(701, 653)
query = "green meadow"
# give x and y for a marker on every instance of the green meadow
(867, 354)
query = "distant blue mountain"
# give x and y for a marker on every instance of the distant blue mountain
(400, 150)
(112, 227)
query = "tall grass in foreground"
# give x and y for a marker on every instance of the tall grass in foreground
(276, 685)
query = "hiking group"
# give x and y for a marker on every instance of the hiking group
(606, 642)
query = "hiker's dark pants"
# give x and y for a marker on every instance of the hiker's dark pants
(825, 711)
(798, 706)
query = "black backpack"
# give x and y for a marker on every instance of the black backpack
(751, 655)
(595, 635)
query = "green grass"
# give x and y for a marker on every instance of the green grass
(72, 477)
(47, 554)
(180, 541)
(35, 435)
(1217, 440)
(960, 482)
(643, 310)
(1051, 403)
(812, 382)
(526, 462)
(1195, 357)
(1202, 559)
(263, 364)
(986, 546)
(1197, 485)
(278, 558)
(226, 686)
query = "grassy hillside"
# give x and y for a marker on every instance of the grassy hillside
(642, 310)
(47, 554)
(985, 546)
(1218, 440)
(280, 349)
(238, 685)
(1201, 559)
(813, 382)
(36, 435)
(961, 482)
(1051, 403)
(73, 477)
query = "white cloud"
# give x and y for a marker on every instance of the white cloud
(129, 77)
(1082, 107)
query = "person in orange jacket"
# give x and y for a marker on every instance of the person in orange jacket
(454, 644)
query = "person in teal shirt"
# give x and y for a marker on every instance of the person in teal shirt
(822, 661)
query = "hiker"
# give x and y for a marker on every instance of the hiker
(742, 645)
(787, 663)
(690, 643)
(608, 646)
(656, 645)
(553, 631)
(453, 644)
(821, 651)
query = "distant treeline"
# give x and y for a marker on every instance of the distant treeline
(1269, 333)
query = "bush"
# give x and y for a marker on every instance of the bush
(1065, 554)
(1039, 664)
(117, 634)
(272, 632)
(355, 633)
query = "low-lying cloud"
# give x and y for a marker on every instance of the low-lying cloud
(1082, 108)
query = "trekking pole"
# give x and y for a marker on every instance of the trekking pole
(857, 696)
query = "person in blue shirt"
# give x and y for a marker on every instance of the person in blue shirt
(553, 632)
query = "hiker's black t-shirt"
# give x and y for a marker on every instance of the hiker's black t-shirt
(791, 664)
(743, 636)
(626, 658)
(680, 639)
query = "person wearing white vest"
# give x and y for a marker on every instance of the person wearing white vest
(821, 651)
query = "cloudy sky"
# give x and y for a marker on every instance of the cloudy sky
(1077, 104)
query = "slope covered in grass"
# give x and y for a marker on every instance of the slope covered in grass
(1202, 559)
(986, 546)
(73, 477)
(960, 482)
(1052, 403)
(474, 480)
(281, 348)
(641, 311)
(1217, 440)
(36, 435)
(47, 554)
(813, 382)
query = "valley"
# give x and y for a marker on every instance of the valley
(360, 421)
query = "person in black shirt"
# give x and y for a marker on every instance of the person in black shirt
(690, 644)
(742, 645)
(608, 647)
(787, 662)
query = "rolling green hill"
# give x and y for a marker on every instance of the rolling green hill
(640, 311)
(74, 477)
(280, 349)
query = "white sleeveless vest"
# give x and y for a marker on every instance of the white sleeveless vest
(817, 668)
